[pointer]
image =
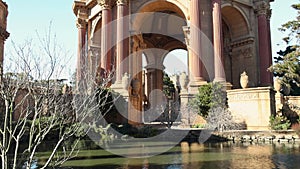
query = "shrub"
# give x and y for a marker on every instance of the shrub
(279, 123)
(209, 96)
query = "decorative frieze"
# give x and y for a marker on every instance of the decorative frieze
(242, 42)
(246, 52)
(244, 96)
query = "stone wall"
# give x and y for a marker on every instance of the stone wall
(252, 106)
(293, 100)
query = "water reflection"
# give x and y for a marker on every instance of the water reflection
(209, 156)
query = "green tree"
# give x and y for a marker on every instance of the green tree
(209, 96)
(287, 63)
(169, 87)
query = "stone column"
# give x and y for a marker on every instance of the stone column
(105, 35)
(265, 56)
(122, 44)
(136, 87)
(3, 36)
(81, 54)
(195, 63)
(217, 34)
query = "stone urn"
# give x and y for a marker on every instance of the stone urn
(183, 80)
(125, 81)
(277, 84)
(244, 80)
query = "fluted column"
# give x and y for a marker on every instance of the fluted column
(195, 62)
(122, 38)
(81, 54)
(265, 56)
(217, 35)
(105, 35)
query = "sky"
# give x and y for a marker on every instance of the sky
(28, 17)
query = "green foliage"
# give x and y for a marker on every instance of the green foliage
(287, 65)
(199, 126)
(168, 85)
(209, 96)
(279, 123)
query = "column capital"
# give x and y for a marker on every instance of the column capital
(262, 8)
(82, 14)
(122, 2)
(81, 23)
(105, 4)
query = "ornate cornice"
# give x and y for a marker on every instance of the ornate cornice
(242, 42)
(105, 4)
(122, 2)
(79, 6)
(81, 11)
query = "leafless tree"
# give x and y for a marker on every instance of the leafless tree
(221, 119)
(35, 108)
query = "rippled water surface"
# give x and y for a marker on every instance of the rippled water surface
(199, 156)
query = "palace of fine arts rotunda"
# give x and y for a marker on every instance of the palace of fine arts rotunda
(226, 41)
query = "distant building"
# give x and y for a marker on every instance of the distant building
(223, 38)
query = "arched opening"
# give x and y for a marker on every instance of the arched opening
(160, 28)
(236, 22)
(236, 39)
(176, 62)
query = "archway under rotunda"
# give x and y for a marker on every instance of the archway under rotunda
(161, 31)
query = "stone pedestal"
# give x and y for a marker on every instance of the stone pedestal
(119, 87)
(279, 99)
(185, 114)
(293, 100)
(193, 86)
(252, 106)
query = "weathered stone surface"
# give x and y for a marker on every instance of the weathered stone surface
(253, 106)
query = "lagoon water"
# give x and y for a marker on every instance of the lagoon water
(227, 155)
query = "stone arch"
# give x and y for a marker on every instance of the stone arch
(236, 20)
(158, 5)
(153, 7)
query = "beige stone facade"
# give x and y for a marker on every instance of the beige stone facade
(223, 38)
